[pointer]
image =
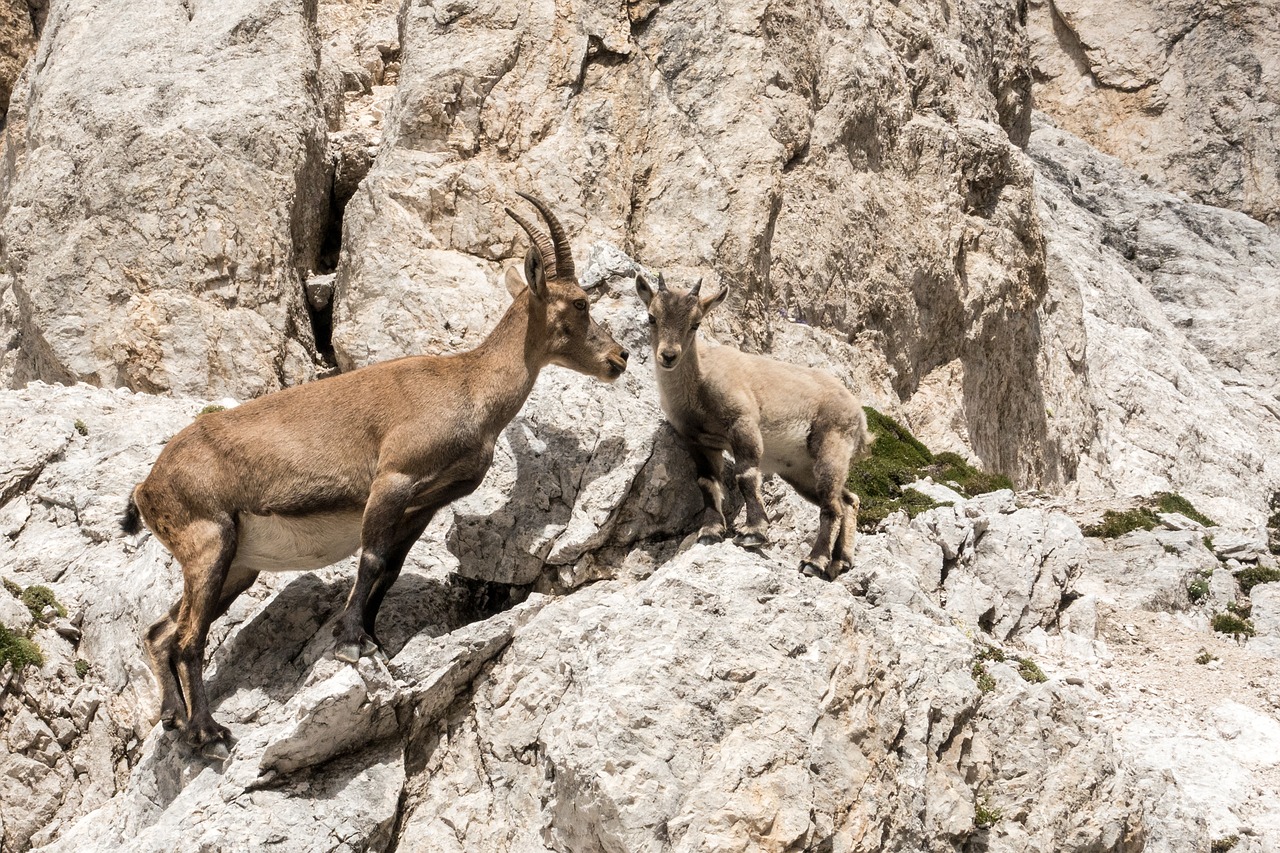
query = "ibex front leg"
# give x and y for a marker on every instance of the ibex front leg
(709, 462)
(747, 449)
(382, 529)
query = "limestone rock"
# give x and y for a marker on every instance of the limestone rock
(164, 191)
(868, 183)
(1188, 94)
(1165, 372)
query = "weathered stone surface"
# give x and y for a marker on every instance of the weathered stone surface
(1166, 366)
(17, 42)
(164, 190)
(864, 182)
(1185, 92)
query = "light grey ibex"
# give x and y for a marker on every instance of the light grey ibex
(296, 480)
(775, 418)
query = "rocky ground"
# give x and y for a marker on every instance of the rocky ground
(200, 202)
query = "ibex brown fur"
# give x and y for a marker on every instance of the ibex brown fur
(299, 479)
(799, 423)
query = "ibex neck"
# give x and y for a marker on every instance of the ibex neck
(509, 360)
(679, 385)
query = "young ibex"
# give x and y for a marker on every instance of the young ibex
(799, 423)
(296, 480)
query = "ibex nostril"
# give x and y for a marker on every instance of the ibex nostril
(625, 355)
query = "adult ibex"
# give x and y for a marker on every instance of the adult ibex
(296, 480)
(797, 422)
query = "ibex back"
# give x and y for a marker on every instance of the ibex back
(299, 479)
(775, 418)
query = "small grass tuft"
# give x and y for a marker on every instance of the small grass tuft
(211, 408)
(1230, 623)
(1208, 541)
(12, 588)
(1223, 845)
(82, 667)
(1171, 502)
(18, 650)
(1205, 656)
(37, 598)
(991, 653)
(1169, 549)
(1243, 609)
(984, 814)
(1254, 575)
(1119, 522)
(1273, 525)
(1198, 590)
(81, 428)
(986, 683)
(1030, 672)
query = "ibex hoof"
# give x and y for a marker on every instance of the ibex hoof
(750, 540)
(216, 751)
(710, 538)
(368, 648)
(169, 720)
(347, 652)
(813, 570)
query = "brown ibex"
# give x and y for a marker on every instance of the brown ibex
(299, 479)
(797, 422)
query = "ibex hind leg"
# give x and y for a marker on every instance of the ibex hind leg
(842, 561)
(160, 649)
(830, 469)
(206, 553)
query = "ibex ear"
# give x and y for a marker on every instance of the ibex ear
(643, 289)
(515, 284)
(535, 275)
(709, 302)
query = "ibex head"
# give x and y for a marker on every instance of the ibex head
(571, 337)
(674, 318)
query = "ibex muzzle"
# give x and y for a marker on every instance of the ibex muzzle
(301, 478)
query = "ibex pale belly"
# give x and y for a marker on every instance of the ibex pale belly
(300, 479)
(799, 423)
(281, 543)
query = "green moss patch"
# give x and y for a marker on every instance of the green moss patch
(898, 458)
(211, 408)
(18, 650)
(37, 598)
(1254, 575)
(82, 667)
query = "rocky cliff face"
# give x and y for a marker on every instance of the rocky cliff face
(206, 200)
(1185, 92)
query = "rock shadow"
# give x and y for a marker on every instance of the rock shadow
(273, 650)
(510, 544)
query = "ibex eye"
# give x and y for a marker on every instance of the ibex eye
(653, 321)
(695, 326)
(580, 304)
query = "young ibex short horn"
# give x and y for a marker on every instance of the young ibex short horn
(296, 480)
(775, 418)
